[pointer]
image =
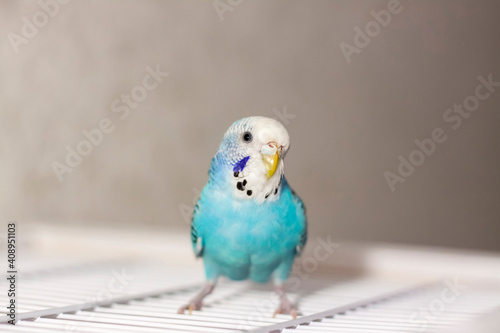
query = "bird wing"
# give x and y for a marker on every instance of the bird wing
(196, 241)
(301, 215)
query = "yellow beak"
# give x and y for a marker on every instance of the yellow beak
(270, 157)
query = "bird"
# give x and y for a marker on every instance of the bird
(248, 223)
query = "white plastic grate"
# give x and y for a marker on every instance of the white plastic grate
(91, 298)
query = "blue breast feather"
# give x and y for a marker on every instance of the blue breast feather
(242, 239)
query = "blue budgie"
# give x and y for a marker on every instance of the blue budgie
(248, 222)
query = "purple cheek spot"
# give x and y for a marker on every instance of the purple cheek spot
(239, 166)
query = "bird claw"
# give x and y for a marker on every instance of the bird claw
(286, 309)
(190, 307)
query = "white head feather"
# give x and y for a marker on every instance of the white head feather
(267, 136)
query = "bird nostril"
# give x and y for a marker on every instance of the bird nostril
(269, 148)
(272, 144)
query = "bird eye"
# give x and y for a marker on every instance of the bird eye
(247, 137)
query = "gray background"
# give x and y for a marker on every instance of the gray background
(352, 120)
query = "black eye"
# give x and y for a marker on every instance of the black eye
(247, 137)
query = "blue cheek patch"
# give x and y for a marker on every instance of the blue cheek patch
(239, 166)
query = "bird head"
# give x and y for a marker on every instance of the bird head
(252, 151)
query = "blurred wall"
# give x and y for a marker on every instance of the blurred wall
(353, 102)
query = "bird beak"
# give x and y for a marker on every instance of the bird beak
(270, 156)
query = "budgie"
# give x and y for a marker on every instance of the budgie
(248, 223)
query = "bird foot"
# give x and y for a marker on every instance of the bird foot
(196, 302)
(286, 307)
(190, 307)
